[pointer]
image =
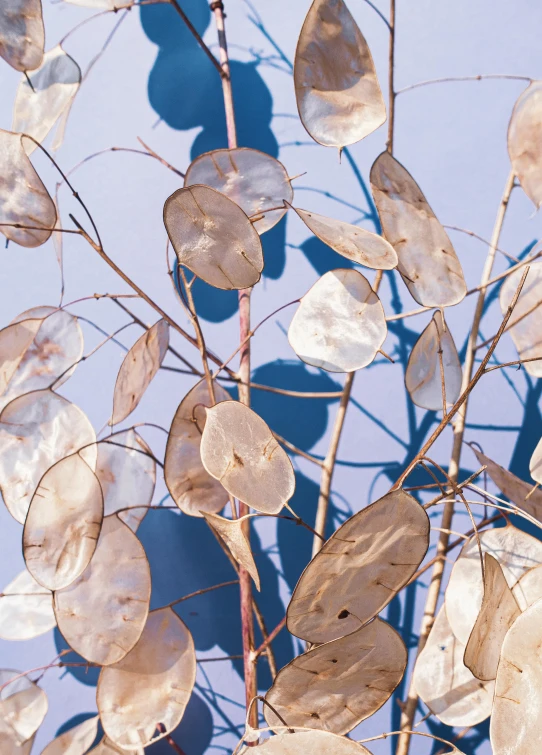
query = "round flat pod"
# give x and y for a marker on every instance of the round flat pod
(76, 740)
(525, 323)
(250, 178)
(524, 146)
(337, 92)
(22, 35)
(26, 609)
(213, 237)
(102, 614)
(37, 430)
(337, 685)
(340, 323)
(360, 569)
(307, 743)
(23, 706)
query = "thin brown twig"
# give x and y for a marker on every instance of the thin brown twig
(199, 336)
(478, 77)
(199, 592)
(192, 29)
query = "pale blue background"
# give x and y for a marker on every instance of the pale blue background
(153, 82)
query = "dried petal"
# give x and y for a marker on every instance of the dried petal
(75, 741)
(139, 367)
(26, 609)
(127, 475)
(351, 241)
(360, 568)
(23, 197)
(524, 141)
(337, 91)
(22, 36)
(516, 552)
(37, 430)
(340, 324)
(427, 261)
(151, 685)
(337, 685)
(23, 706)
(191, 486)
(445, 684)
(63, 523)
(304, 742)
(250, 178)
(512, 487)
(213, 237)
(239, 450)
(498, 612)
(516, 722)
(102, 614)
(423, 377)
(45, 95)
(231, 532)
(525, 323)
(51, 356)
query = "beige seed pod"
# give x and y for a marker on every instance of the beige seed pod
(22, 36)
(498, 612)
(529, 588)
(231, 532)
(63, 523)
(445, 684)
(239, 450)
(37, 430)
(351, 241)
(26, 609)
(250, 178)
(340, 323)
(75, 741)
(192, 488)
(524, 141)
(423, 376)
(102, 614)
(23, 197)
(107, 747)
(151, 685)
(41, 100)
(23, 706)
(15, 340)
(427, 261)
(137, 370)
(304, 742)
(526, 321)
(336, 685)
(338, 96)
(213, 237)
(360, 568)
(516, 721)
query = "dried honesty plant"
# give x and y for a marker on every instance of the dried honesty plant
(82, 496)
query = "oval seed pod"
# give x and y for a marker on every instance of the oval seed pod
(102, 614)
(517, 709)
(107, 747)
(524, 146)
(37, 430)
(23, 706)
(239, 450)
(231, 532)
(445, 684)
(427, 261)
(360, 569)
(151, 685)
(336, 685)
(192, 488)
(26, 609)
(52, 355)
(22, 36)
(250, 178)
(525, 323)
(535, 464)
(76, 740)
(423, 376)
(529, 588)
(45, 95)
(351, 241)
(303, 742)
(23, 197)
(498, 612)
(337, 92)
(516, 552)
(14, 342)
(138, 368)
(521, 493)
(127, 475)
(63, 523)
(213, 237)
(340, 324)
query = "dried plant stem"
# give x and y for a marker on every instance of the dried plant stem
(391, 71)
(478, 77)
(247, 621)
(171, 742)
(199, 336)
(409, 711)
(192, 29)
